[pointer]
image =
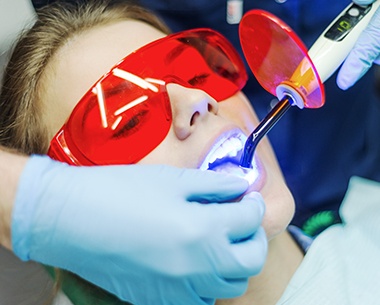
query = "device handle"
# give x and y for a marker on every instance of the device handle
(332, 47)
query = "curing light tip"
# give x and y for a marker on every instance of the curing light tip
(262, 129)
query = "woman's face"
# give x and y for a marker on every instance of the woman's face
(200, 124)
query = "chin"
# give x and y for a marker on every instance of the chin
(279, 212)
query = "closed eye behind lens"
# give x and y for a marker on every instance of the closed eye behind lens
(198, 79)
(131, 126)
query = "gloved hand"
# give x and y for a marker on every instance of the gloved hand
(138, 231)
(365, 52)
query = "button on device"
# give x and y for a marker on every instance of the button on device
(234, 11)
(347, 22)
(354, 12)
(280, 1)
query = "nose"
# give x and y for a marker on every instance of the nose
(190, 107)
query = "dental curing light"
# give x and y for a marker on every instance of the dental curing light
(285, 68)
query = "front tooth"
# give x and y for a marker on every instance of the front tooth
(213, 156)
(228, 146)
(237, 144)
(234, 145)
(219, 153)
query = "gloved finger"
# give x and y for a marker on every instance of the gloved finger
(171, 291)
(363, 2)
(208, 186)
(208, 287)
(362, 55)
(200, 290)
(249, 257)
(242, 219)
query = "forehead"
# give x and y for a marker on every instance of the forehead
(83, 60)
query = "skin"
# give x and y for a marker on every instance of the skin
(198, 121)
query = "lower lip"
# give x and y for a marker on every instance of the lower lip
(254, 175)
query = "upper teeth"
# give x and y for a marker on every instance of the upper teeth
(228, 148)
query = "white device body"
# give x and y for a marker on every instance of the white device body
(327, 55)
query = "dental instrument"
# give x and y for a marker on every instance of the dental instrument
(295, 76)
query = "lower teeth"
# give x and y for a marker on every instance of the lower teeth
(229, 168)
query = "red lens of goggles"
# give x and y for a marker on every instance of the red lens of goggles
(127, 113)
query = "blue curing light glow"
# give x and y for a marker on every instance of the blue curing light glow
(249, 174)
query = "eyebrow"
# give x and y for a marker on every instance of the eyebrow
(130, 77)
(174, 53)
(129, 124)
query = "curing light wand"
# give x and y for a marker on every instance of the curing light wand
(302, 85)
(262, 129)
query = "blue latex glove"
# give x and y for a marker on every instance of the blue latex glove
(364, 53)
(138, 232)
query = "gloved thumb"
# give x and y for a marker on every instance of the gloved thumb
(364, 53)
(208, 186)
(363, 2)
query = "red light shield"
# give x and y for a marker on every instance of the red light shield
(276, 55)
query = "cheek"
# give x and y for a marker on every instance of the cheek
(173, 152)
(277, 196)
(239, 110)
(279, 208)
(162, 154)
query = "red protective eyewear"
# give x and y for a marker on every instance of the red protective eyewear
(127, 113)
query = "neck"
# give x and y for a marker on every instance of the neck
(284, 257)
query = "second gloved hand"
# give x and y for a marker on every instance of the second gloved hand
(139, 231)
(365, 52)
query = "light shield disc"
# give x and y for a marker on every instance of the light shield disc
(276, 55)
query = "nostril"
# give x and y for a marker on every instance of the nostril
(210, 108)
(194, 117)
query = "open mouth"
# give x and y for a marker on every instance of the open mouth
(225, 156)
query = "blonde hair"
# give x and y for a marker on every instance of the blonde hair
(21, 124)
